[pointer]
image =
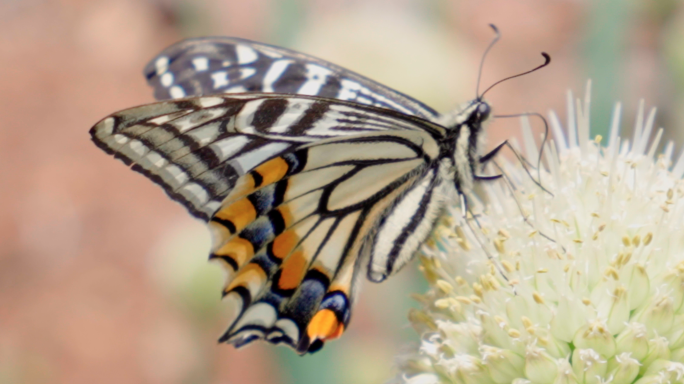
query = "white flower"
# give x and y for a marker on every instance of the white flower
(580, 284)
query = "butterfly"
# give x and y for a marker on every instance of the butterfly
(308, 175)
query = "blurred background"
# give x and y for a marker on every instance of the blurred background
(105, 280)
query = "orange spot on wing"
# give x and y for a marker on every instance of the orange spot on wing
(285, 212)
(284, 243)
(272, 170)
(240, 213)
(251, 276)
(237, 249)
(292, 271)
(325, 326)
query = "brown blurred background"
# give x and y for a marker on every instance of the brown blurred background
(105, 280)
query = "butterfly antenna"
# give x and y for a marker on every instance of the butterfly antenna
(547, 60)
(496, 38)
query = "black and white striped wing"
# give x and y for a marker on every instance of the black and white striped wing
(302, 194)
(197, 148)
(204, 66)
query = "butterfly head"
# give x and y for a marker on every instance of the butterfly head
(478, 113)
(473, 113)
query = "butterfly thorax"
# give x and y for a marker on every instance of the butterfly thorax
(465, 141)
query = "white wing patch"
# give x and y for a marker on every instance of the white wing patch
(195, 193)
(295, 111)
(177, 92)
(246, 54)
(220, 79)
(249, 160)
(316, 77)
(261, 314)
(323, 155)
(374, 178)
(331, 253)
(274, 72)
(313, 241)
(229, 147)
(308, 181)
(201, 64)
(411, 219)
(196, 119)
(243, 120)
(161, 64)
(166, 79)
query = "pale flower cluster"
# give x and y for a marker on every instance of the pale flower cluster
(584, 284)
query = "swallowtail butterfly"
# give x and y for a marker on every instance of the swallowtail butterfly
(308, 175)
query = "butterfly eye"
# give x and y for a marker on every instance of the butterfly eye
(483, 110)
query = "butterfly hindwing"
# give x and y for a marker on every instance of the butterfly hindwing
(210, 65)
(291, 245)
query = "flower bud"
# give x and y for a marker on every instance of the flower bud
(463, 337)
(496, 333)
(565, 373)
(651, 379)
(464, 368)
(612, 302)
(673, 283)
(503, 364)
(623, 368)
(539, 366)
(588, 365)
(569, 317)
(636, 279)
(670, 371)
(657, 350)
(676, 335)
(677, 355)
(633, 340)
(596, 336)
(658, 314)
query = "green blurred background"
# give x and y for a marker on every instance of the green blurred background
(105, 280)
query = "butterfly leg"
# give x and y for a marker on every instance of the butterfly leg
(490, 155)
(525, 164)
(465, 210)
(486, 158)
(487, 178)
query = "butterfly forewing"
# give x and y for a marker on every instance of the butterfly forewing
(197, 148)
(213, 65)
